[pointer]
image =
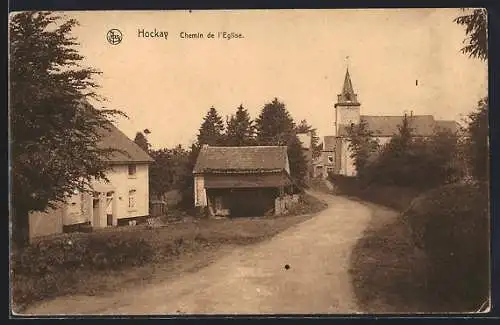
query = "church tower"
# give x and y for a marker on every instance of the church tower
(347, 108)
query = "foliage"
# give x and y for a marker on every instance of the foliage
(297, 161)
(362, 145)
(455, 238)
(212, 129)
(54, 130)
(477, 145)
(240, 129)
(274, 124)
(141, 140)
(169, 170)
(476, 31)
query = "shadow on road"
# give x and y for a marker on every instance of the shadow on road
(387, 271)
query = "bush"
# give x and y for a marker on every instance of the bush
(451, 224)
(76, 251)
(395, 197)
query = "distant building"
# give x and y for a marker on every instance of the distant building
(124, 199)
(241, 181)
(336, 156)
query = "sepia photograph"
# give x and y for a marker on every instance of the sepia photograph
(249, 162)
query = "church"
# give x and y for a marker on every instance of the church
(336, 156)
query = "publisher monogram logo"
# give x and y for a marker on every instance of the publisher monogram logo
(114, 36)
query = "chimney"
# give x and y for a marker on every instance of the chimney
(411, 113)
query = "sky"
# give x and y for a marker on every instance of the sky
(299, 56)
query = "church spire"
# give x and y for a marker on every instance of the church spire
(347, 96)
(347, 89)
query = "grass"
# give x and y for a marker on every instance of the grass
(388, 272)
(178, 247)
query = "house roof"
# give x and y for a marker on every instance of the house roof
(305, 140)
(329, 143)
(242, 159)
(386, 126)
(116, 139)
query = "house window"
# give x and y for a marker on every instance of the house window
(329, 169)
(330, 159)
(132, 170)
(131, 199)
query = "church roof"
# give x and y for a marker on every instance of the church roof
(329, 143)
(387, 126)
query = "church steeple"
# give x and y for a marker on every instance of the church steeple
(347, 96)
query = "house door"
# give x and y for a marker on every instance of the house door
(96, 222)
(218, 204)
(109, 208)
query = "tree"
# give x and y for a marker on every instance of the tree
(297, 161)
(362, 145)
(275, 127)
(211, 130)
(476, 31)
(168, 171)
(240, 129)
(54, 130)
(400, 143)
(316, 147)
(141, 140)
(274, 124)
(477, 131)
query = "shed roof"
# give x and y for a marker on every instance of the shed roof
(242, 159)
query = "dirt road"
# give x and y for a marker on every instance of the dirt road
(253, 279)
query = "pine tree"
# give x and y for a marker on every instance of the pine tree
(54, 130)
(240, 129)
(274, 124)
(141, 140)
(211, 131)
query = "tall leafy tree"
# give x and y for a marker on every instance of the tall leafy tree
(211, 131)
(141, 140)
(54, 131)
(274, 124)
(362, 145)
(476, 32)
(478, 145)
(170, 168)
(475, 22)
(240, 129)
(297, 161)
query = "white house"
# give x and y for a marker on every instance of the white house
(336, 156)
(124, 200)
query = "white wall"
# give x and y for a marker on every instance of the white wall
(123, 183)
(79, 206)
(346, 115)
(200, 194)
(347, 166)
